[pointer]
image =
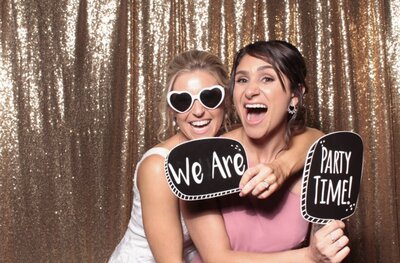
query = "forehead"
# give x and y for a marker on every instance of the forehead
(194, 81)
(249, 63)
(254, 65)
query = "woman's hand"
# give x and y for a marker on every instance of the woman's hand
(261, 180)
(329, 244)
(264, 179)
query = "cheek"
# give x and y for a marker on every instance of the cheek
(218, 116)
(179, 117)
(280, 96)
(236, 96)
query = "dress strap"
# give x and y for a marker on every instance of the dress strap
(163, 152)
(156, 150)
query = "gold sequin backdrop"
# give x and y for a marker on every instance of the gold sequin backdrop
(79, 85)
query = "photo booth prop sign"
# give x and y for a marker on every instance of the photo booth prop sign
(205, 168)
(332, 177)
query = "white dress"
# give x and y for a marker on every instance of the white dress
(134, 246)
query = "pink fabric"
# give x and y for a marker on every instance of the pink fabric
(270, 225)
(263, 225)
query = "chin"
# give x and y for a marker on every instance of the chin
(194, 135)
(205, 132)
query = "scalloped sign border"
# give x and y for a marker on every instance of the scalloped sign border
(332, 177)
(205, 168)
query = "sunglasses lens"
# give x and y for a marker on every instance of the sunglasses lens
(211, 98)
(181, 102)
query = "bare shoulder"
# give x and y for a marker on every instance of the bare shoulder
(307, 137)
(151, 170)
(314, 132)
(153, 163)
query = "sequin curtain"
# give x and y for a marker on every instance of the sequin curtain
(66, 110)
(79, 86)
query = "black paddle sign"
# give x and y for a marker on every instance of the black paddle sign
(205, 168)
(332, 177)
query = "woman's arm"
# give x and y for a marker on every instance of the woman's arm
(160, 210)
(207, 229)
(292, 160)
(287, 163)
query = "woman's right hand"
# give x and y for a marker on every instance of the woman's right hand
(329, 244)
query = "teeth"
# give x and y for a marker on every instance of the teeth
(255, 106)
(200, 123)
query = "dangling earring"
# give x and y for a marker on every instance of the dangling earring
(175, 125)
(292, 109)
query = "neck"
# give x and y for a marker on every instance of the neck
(265, 149)
(182, 137)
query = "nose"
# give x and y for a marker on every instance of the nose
(198, 109)
(252, 90)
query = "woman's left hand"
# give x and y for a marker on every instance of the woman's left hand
(261, 180)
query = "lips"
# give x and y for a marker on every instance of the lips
(255, 112)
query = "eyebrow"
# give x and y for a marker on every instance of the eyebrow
(258, 69)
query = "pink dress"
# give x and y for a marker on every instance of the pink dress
(263, 225)
(270, 225)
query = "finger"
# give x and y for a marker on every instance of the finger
(262, 181)
(254, 177)
(247, 176)
(278, 173)
(261, 187)
(330, 227)
(257, 180)
(341, 254)
(271, 189)
(335, 250)
(335, 235)
(264, 184)
(329, 249)
(248, 187)
(275, 177)
(341, 243)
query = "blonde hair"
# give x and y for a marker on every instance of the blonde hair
(186, 62)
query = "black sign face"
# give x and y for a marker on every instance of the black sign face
(332, 177)
(205, 168)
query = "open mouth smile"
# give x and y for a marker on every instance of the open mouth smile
(255, 112)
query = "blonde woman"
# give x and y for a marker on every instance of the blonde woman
(195, 100)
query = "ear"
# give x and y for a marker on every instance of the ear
(294, 100)
(302, 89)
(296, 95)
